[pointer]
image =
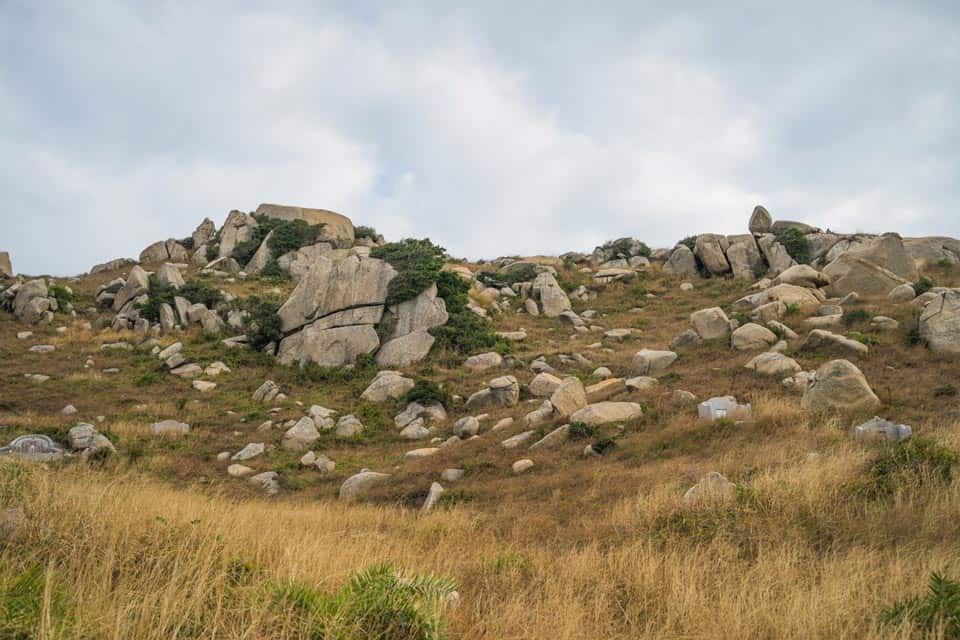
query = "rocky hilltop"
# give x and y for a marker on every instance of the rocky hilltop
(590, 428)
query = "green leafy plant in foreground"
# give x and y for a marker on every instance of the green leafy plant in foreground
(937, 612)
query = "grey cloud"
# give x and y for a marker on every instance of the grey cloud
(489, 127)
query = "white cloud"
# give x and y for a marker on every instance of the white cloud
(130, 124)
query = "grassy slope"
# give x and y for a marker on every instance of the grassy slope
(576, 548)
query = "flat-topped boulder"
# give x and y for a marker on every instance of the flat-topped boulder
(337, 228)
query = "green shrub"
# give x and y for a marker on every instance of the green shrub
(524, 273)
(936, 612)
(273, 271)
(602, 445)
(690, 242)
(865, 338)
(582, 431)
(916, 460)
(187, 243)
(365, 232)
(263, 325)
(623, 246)
(146, 379)
(855, 316)
(364, 368)
(62, 295)
(377, 603)
(923, 285)
(945, 391)
(465, 332)
(213, 252)
(159, 293)
(418, 264)
(290, 235)
(796, 244)
(427, 392)
(791, 309)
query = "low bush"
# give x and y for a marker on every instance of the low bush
(865, 338)
(288, 235)
(63, 296)
(796, 244)
(418, 264)
(377, 603)
(427, 392)
(263, 325)
(160, 293)
(937, 612)
(187, 243)
(582, 431)
(945, 391)
(365, 232)
(465, 332)
(524, 273)
(923, 285)
(213, 252)
(918, 460)
(855, 316)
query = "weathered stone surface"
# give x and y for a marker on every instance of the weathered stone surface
(710, 249)
(170, 275)
(515, 441)
(204, 233)
(261, 257)
(604, 412)
(357, 484)
(298, 263)
(802, 227)
(466, 427)
(650, 362)
(569, 397)
(433, 496)
(940, 323)
(348, 426)
(405, 350)
(6, 268)
(387, 385)
(483, 362)
(544, 384)
(332, 286)
(751, 337)
(745, 259)
(238, 228)
(337, 228)
(328, 347)
(888, 251)
(850, 272)
(902, 293)
(170, 427)
(776, 254)
(605, 389)
(802, 275)
(33, 447)
(137, 284)
(712, 488)
(553, 439)
(711, 324)
(821, 340)
(877, 428)
(301, 436)
(839, 385)
(760, 220)
(553, 300)
(410, 341)
(927, 252)
(771, 363)
(681, 262)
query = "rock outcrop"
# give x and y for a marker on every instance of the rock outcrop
(337, 228)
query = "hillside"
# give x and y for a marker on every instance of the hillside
(225, 450)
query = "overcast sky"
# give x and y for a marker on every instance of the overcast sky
(491, 128)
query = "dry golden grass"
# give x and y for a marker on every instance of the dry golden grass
(803, 557)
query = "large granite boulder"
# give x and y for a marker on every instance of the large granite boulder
(760, 220)
(204, 233)
(710, 324)
(6, 269)
(928, 252)
(940, 323)
(744, 257)
(328, 347)
(553, 300)
(337, 228)
(681, 262)
(839, 385)
(888, 251)
(711, 249)
(350, 284)
(775, 253)
(164, 251)
(410, 340)
(802, 275)
(851, 273)
(238, 228)
(137, 284)
(605, 412)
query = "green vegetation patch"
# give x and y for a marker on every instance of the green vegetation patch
(935, 614)
(160, 293)
(418, 264)
(427, 392)
(796, 244)
(465, 332)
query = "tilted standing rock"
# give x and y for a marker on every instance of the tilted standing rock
(940, 323)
